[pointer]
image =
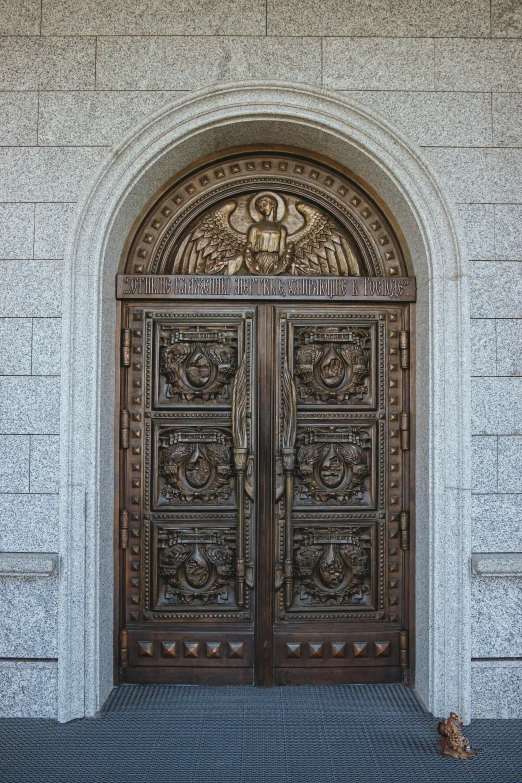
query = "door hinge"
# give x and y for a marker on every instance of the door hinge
(124, 648)
(405, 431)
(124, 529)
(124, 428)
(403, 647)
(404, 348)
(404, 521)
(126, 336)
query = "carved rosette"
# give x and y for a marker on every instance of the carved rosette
(198, 363)
(196, 567)
(332, 567)
(333, 464)
(196, 464)
(332, 364)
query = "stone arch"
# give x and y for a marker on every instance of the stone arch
(172, 139)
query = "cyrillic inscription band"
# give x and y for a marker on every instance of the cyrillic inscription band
(388, 289)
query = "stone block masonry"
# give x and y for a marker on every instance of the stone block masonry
(76, 75)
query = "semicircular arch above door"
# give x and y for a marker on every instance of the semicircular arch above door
(264, 212)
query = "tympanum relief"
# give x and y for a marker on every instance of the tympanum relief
(267, 233)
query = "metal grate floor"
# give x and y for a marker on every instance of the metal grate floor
(326, 734)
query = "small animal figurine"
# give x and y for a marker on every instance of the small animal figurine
(453, 743)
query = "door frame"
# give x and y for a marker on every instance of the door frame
(264, 669)
(199, 124)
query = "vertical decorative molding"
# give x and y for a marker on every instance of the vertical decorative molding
(181, 132)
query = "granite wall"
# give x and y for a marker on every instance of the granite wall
(77, 74)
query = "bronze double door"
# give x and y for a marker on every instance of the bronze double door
(264, 493)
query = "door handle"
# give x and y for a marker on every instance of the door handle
(240, 443)
(288, 436)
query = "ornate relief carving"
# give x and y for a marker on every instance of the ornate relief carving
(196, 464)
(196, 567)
(267, 233)
(332, 363)
(332, 566)
(333, 464)
(198, 362)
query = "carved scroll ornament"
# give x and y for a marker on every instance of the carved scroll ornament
(196, 464)
(196, 566)
(332, 364)
(333, 464)
(331, 566)
(198, 363)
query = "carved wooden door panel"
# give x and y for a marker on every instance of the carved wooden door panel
(264, 463)
(187, 430)
(342, 445)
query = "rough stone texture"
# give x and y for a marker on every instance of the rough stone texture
(496, 405)
(509, 347)
(498, 564)
(496, 523)
(29, 405)
(489, 175)
(40, 174)
(18, 118)
(378, 64)
(46, 346)
(47, 63)
(29, 616)
(31, 288)
(52, 224)
(154, 17)
(478, 221)
(506, 18)
(495, 600)
(491, 678)
(44, 463)
(510, 464)
(14, 463)
(36, 528)
(28, 564)
(508, 232)
(16, 230)
(417, 18)
(20, 17)
(507, 119)
(483, 347)
(435, 118)
(28, 523)
(29, 689)
(94, 118)
(496, 290)
(15, 339)
(186, 63)
(484, 464)
(480, 65)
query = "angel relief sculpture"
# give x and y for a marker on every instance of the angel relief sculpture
(266, 234)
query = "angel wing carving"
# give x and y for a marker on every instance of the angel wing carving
(214, 246)
(320, 248)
